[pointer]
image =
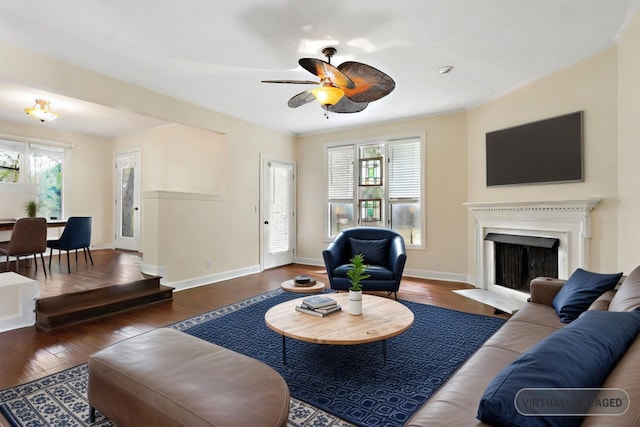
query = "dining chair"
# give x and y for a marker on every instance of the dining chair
(76, 235)
(29, 237)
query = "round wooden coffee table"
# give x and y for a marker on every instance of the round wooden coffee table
(289, 285)
(381, 318)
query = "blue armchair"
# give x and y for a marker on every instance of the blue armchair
(384, 254)
(76, 235)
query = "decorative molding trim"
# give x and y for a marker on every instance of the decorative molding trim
(179, 195)
(587, 204)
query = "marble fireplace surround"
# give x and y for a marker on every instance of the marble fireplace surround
(568, 221)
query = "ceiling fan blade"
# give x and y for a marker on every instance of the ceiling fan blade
(301, 99)
(294, 82)
(371, 84)
(346, 105)
(324, 70)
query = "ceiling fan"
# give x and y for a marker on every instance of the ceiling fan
(347, 88)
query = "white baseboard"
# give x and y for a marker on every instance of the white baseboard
(310, 261)
(155, 270)
(435, 275)
(218, 277)
(408, 272)
(214, 278)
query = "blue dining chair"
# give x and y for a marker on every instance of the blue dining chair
(76, 235)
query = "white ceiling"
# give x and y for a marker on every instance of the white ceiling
(214, 53)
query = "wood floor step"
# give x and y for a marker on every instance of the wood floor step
(58, 311)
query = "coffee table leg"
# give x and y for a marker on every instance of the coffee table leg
(335, 362)
(384, 352)
(284, 350)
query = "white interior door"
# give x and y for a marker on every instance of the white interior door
(127, 201)
(278, 214)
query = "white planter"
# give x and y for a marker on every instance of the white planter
(355, 303)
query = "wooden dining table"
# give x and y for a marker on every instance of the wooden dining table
(7, 224)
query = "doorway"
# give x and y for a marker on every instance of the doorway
(278, 213)
(127, 200)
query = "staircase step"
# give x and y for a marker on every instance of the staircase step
(63, 310)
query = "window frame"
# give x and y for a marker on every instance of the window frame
(387, 201)
(29, 147)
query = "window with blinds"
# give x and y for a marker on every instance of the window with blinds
(405, 188)
(340, 188)
(376, 185)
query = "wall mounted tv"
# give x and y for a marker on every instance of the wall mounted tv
(546, 151)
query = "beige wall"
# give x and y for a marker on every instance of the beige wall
(225, 225)
(590, 86)
(180, 158)
(87, 173)
(235, 239)
(446, 184)
(628, 236)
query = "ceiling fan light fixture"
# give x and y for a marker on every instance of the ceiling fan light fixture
(327, 95)
(41, 110)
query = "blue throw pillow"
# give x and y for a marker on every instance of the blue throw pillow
(580, 291)
(580, 355)
(375, 252)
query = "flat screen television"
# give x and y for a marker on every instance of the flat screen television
(546, 151)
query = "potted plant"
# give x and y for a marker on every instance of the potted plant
(356, 274)
(31, 208)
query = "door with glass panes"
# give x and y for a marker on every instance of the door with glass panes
(278, 214)
(127, 201)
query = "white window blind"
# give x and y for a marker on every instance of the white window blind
(404, 169)
(280, 207)
(340, 172)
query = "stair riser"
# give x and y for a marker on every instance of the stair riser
(93, 295)
(45, 322)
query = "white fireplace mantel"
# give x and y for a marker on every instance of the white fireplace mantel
(569, 221)
(535, 208)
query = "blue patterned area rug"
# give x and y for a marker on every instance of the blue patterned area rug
(60, 400)
(366, 392)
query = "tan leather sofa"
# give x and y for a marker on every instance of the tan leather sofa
(456, 402)
(169, 378)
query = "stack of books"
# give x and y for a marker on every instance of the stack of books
(318, 305)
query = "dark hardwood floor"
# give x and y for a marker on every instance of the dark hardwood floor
(110, 267)
(27, 354)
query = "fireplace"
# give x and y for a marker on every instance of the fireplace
(563, 224)
(518, 259)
